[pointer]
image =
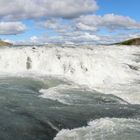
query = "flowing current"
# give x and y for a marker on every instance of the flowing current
(70, 93)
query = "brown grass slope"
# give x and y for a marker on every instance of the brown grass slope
(4, 43)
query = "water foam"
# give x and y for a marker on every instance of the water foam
(100, 67)
(77, 95)
(104, 129)
(55, 93)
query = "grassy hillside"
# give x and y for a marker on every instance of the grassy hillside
(3, 43)
(134, 41)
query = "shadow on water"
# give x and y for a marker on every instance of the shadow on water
(25, 116)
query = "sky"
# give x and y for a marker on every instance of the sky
(69, 21)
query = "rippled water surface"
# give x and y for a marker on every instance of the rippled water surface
(70, 93)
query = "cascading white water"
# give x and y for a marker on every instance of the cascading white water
(98, 67)
(107, 69)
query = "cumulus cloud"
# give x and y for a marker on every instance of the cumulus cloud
(56, 24)
(92, 23)
(67, 20)
(30, 9)
(11, 28)
(34, 39)
(110, 21)
(77, 37)
(85, 28)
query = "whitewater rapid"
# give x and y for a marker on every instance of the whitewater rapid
(71, 86)
(107, 69)
(104, 129)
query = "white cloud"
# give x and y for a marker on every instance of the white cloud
(109, 21)
(84, 37)
(34, 39)
(32, 9)
(56, 24)
(69, 21)
(77, 37)
(85, 27)
(11, 28)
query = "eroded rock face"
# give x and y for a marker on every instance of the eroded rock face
(29, 63)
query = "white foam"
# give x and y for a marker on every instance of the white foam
(99, 67)
(55, 93)
(104, 129)
(76, 95)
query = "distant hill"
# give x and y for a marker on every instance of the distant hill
(134, 41)
(4, 43)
